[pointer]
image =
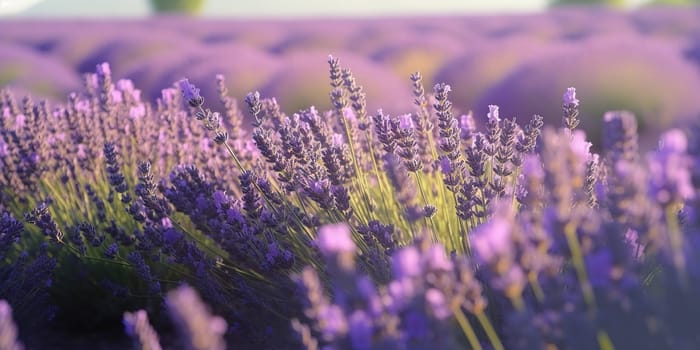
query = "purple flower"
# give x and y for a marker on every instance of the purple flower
(4, 149)
(10, 231)
(438, 304)
(467, 126)
(406, 263)
(406, 122)
(620, 138)
(190, 92)
(673, 141)
(103, 69)
(669, 169)
(349, 114)
(337, 140)
(493, 114)
(220, 198)
(492, 240)
(332, 321)
(444, 87)
(368, 291)
(570, 97)
(126, 86)
(138, 328)
(91, 81)
(318, 187)
(8, 330)
(168, 95)
(117, 96)
(335, 239)
(416, 325)
(41, 217)
(202, 330)
(143, 271)
(166, 223)
(580, 147)
(81, 154)
(446, 165)
(273, 252)
(599, 266)
(138, 111)
(401, 292)
(360, 330)
(171, 236)
(436, 259)
(111, 251)
(19, 121)
(532, 167)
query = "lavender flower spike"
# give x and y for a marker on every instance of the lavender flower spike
(138, 328)
(570, 97)
(191, 93)
(446, 165)
(334, 239)
(406, 122)
(103, 69)
(570, 106)
(406, 263)
(492, 240)
(8, 330)
(493, 113)
(202, 330)
(669, 169)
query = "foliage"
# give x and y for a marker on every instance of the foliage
(181, 6)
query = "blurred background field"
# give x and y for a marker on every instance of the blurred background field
(645, 60)
(618, 55)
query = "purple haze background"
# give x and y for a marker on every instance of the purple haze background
(646, 61)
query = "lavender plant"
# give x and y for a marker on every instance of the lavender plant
(137, 326)
(345, 228)
(8, 329)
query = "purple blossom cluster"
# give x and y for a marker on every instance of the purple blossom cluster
(345, 229)
(412, 311)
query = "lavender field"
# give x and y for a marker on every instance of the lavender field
(647, 61)
(483, 182)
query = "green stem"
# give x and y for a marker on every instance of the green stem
(466, 328)
(604, 341)
(375, 169)
(490, 331)
(518, 303)
(364, 186)
(425, 201)
(579, 265)
(536, 288)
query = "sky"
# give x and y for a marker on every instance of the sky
(271, 8)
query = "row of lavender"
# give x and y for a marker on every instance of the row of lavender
(645, 61)
(506, 237)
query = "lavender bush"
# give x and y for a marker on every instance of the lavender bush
(345, 228)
